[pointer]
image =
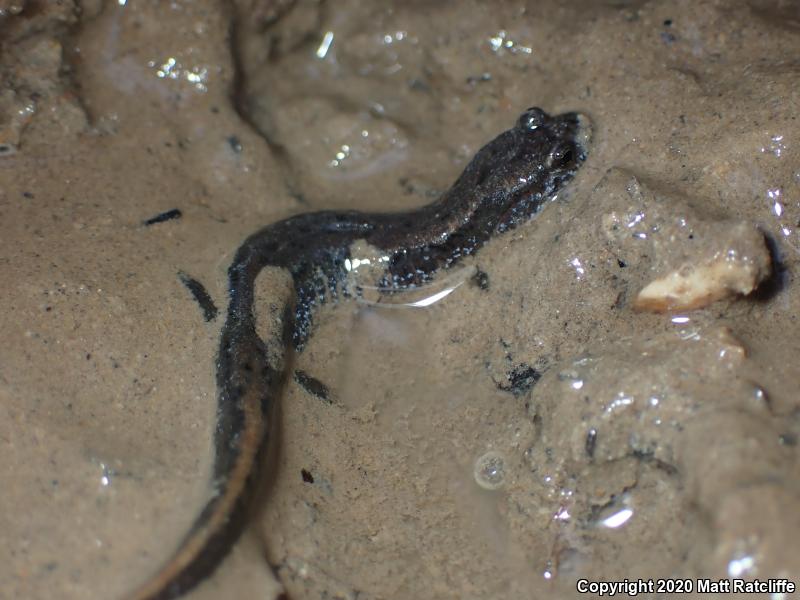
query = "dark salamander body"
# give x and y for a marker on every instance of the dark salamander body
(507, 182)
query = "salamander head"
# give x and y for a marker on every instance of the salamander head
(516, 172)
(507, 182)
(561, 140)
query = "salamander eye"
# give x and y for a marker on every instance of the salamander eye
(561, 155)
(532, 118)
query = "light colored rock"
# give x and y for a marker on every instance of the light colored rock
(739, 263)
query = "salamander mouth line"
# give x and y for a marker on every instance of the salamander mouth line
(509, 181)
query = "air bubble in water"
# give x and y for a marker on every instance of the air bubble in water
(490, 470)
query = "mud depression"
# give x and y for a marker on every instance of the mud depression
(608, 391)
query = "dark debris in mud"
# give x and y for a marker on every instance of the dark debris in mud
(313, 386)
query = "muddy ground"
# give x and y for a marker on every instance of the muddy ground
(623, 442)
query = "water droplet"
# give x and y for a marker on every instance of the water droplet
(501, 42)
(615, 514)
(740, 566)
(572, 378)
(622, 400)
(617, 519)
(325, 44)
(549, 571)
(105, 477)
(490, 470)
(591, 442)
(635, 219)
(759, 394)
(579, 268)
(776, 146)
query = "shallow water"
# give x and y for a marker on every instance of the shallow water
(634, 444)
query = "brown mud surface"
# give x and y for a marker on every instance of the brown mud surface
(500, 443)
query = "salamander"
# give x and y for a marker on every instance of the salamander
(508, 181)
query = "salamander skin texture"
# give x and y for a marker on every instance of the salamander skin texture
(507, 182)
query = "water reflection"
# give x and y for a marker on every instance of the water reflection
(325, 44)
(413, 297)
(617, 519)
